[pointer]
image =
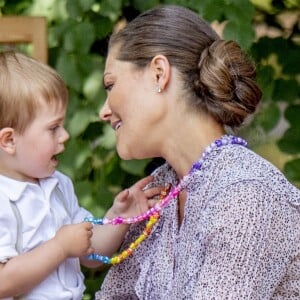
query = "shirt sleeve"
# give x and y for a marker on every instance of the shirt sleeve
(77, 212)
(8, 231)
(250, 244)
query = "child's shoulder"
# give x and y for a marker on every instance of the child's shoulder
(62, 178)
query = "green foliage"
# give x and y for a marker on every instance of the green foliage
(77, 36)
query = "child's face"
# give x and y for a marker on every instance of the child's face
(37, 147)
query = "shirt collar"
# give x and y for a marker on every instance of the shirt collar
(14, 189)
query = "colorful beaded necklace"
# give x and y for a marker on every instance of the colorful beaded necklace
(165, 197)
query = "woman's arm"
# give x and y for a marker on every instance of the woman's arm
(250, 244)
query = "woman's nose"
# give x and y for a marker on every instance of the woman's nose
(105, 112)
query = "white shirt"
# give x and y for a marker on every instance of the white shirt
(42, 213)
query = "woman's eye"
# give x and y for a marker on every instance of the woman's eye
(108, 87)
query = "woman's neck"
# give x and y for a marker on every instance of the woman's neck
(186, 144)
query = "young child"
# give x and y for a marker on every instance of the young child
(43, 261)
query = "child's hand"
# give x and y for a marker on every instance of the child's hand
(75, 239)
(135, 200)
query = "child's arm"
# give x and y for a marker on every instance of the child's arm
(22, 273)
(134, 201)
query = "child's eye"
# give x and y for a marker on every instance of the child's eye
(54, 128)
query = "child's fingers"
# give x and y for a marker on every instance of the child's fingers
(143, 182)
(152, 202)
(155, 191)
(123, 195)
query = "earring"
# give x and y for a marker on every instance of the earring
(158, 89)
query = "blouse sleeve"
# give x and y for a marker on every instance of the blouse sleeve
(250, 244)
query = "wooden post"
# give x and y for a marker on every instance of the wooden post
(23, 29)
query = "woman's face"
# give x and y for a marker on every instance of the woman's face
(132, 108)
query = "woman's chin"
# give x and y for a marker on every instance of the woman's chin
(124, 153)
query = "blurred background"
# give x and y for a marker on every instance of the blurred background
(71, 36)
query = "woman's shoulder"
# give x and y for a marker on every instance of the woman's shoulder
(242, 166)
(164, 174)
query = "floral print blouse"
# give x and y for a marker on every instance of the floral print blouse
(239, 238)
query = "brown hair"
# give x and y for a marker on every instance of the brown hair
(24, 83)
(217, 73)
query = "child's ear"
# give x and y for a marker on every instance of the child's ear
(7, 140)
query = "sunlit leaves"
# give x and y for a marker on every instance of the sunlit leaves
(265, 79)
(269, 117)
(108, 139)
(286, 90)
(111, 9)
(142, 5)
(79, 38)
(77, 8)
(72, 160)
(243, 33)
(292, 114)
(92, 85)
(292, 170)
(79, 121)
(290, 142)
(67, 66)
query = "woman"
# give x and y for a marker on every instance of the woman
(229, 228)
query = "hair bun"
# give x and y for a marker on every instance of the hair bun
(226, 83)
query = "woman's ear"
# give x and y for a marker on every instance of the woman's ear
(7, 140)
(161, 69)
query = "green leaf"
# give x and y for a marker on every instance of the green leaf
(135, 167)
(269, 117)
(92, 85)
(79, 122)
(84, 194)
(265, 79)
(292, 170)
(75, 155)
(243, 33)
(143, 5)
(213, 10)
(67, 67)
(286, 90)
(290, 142)
(239, 11)
(108, 139)
(103, 26)
(52, 9)
(111, 9)
(292, 114)
(104, 199)
(76, 8)
(79, 38)
(288, 60)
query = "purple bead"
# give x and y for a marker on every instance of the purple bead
(218, 143)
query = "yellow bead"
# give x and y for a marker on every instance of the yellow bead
(114, 260)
